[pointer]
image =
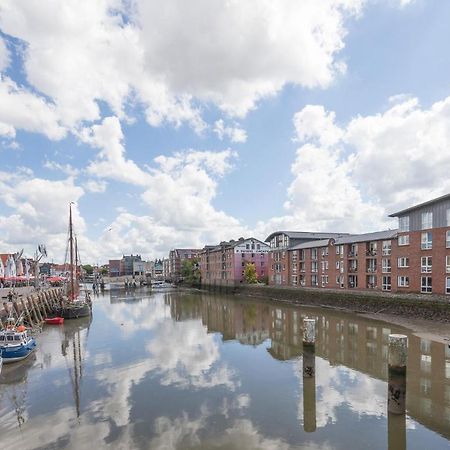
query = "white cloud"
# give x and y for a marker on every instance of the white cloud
(156, 55)
(20, 108)
(4, 55)
(233, 133)
(67, 169)
(39, 214)
(95, 186)
(350, 177)
(111, 162)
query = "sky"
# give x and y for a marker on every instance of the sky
(180, 124)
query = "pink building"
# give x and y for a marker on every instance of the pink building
(224, 264)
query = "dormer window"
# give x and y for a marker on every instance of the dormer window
(427, 220)
(403, 223)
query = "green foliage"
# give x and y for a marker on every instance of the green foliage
(104, 271)
(89, 269)
(190, 272)
(250, 274)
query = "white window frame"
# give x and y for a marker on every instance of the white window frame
(447, 264)
(385, 285)
(447, 285)
(387, 247)
(447, 238)
(314, 253)
(403, 239)
(426, 284)
(386, 265)
(426, 264)
(314, 281)
(403, 223)
(402, 281)
(427, 220)
(402, 262)
(426, 240)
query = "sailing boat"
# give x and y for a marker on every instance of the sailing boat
(73, 306)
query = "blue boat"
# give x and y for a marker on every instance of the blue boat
(15, 344)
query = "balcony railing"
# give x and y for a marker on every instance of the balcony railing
(371, 252)
(352, 254)
(353, 269)
(371, 269)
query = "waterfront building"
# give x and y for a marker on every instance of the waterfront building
(127, 264)
(176, 258)
(362, 261)
(279, 243)
(224, 264)
(422, 261)
(166, 268)
(157, 270)
(138, 267)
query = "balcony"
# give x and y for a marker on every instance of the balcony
(353, 269)
(371, 253)
(371, 269)
(352, 254)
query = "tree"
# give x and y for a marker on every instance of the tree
(250, 275)
(89, 269)
(190, 271)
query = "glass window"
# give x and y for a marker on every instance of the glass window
(426, 242)
(425, 284)
(314, 253)
(386, 265)
(386, 283)
(427, 220)
(403, 239)
(403, 262)
(403, 223)
(403, 281)
(447, 239)
(447, 263)
(447, 285)
(425, 264)
(387, 248)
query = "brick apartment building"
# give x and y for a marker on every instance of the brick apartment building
(423, 247)
(280, 242)
(414, 258)
(176, 258)
(224, 264)
(349, 262)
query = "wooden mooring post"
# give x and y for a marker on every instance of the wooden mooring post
(398, 356)
(309, 375)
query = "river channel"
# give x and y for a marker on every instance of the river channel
(185, 369)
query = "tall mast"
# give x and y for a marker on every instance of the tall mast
(72, 291)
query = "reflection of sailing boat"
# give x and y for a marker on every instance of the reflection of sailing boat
(15, 379)
(71, 348)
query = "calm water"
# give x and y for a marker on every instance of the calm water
(190, 370)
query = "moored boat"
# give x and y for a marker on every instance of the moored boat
(15, 344)
(54, 320)
(73, 305)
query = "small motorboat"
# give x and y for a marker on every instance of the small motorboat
(54, 320)
(15, 344)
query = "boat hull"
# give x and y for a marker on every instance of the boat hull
(54, 320)
(18, 352)
(72, 311)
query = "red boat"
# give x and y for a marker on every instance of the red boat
(54, 320)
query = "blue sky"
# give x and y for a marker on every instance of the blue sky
(183, 125)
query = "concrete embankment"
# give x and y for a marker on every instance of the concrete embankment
(411, 306)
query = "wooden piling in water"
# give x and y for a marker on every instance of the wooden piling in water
(398, 355)
(309, 375)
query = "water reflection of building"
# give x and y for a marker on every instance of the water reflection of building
(342, 339)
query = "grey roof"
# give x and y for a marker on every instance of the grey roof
(421, 205)
(304, 235)
(230, 244)
(375, 236)
(348, 239)
(311, 244)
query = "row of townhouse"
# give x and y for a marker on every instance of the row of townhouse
(224, 263)
(414, 258)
